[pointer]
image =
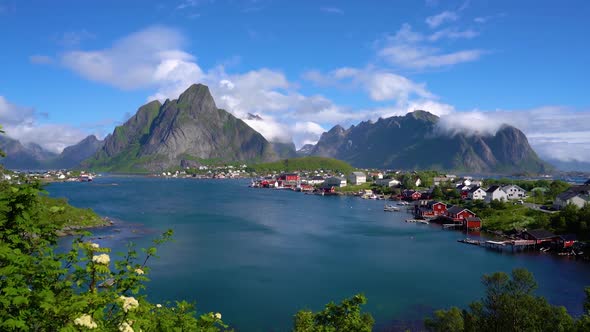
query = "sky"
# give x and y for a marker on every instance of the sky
(73, 68)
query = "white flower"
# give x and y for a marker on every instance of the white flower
(85, 321)
(94, 245)
(103, 259)
(129, 303)
(139, 271)
(218, 315)
(158, 305)
(125, 327)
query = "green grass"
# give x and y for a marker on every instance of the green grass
(58, 211)
(509, 216)
(305, 164)
(355, 188)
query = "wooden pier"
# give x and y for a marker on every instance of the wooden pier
(514, 245)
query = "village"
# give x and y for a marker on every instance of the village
(426, 208)
(49, 176)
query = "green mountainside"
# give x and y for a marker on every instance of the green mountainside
(189, 128)
(415, 141)
(304, 164)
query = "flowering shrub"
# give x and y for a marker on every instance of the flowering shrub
(82, 289)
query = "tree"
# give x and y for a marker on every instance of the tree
(437, 193)
(344, 317)
(509, 304)
(446, 320)
(81, 289)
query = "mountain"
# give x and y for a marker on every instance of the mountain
(23, 156)
(305, 150)
(190, 128)
(570, 166)
(415, 141)
(32, 156)
(284, 150)
(72, 156)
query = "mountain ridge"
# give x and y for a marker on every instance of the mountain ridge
(161, 136)
(415, 141)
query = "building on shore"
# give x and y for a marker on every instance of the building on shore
(356, 178)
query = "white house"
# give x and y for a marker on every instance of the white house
(335, 181)
(418, 182)
(315, 180)
(356, 178)
(514, 192)
(495, 193)
(577, 195)
(388, 182)
(476, 193)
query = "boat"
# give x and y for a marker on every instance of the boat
(418, 221)
(390, 208)
(470, 241)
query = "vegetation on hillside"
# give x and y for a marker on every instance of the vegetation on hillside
(304, 164)
(509, 304)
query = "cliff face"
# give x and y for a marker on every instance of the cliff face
(414, 142)
(189, 128)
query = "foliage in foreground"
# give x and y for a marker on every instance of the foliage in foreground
(42, 290)
(344, 317)
(509, 304)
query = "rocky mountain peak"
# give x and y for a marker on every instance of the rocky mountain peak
(197, 95)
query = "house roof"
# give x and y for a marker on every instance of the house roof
(574, 191)
(358, 174)
(540, 234)
(568, 237)
(473, 219)
(456, 209)
(492, 189)
(474, 189)
(512, 185)
(317, 177)
(433, 203)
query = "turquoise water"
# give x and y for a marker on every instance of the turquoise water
(258, 255)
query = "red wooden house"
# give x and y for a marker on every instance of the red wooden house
(289, 179)
(411, 195)
(472, 223)
(566, 241)
(432, 209)
(540, 236)
(458, 213)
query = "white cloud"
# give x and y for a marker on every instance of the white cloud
(332, 10)
(407, 48)
(41, 59)
(21, 123)
(149, 58)
(453, 33)
(554, 132)
(446, 16)
(380, 85)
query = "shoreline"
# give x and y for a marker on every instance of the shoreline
(75, 230)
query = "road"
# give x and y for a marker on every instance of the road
(537, 207)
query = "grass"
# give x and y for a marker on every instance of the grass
(355, 188)
(60, 212)
(305, 164)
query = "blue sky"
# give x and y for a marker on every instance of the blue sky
(71, 68)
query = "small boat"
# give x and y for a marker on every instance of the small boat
(418, 221)
(390, 208)
(470, 241)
